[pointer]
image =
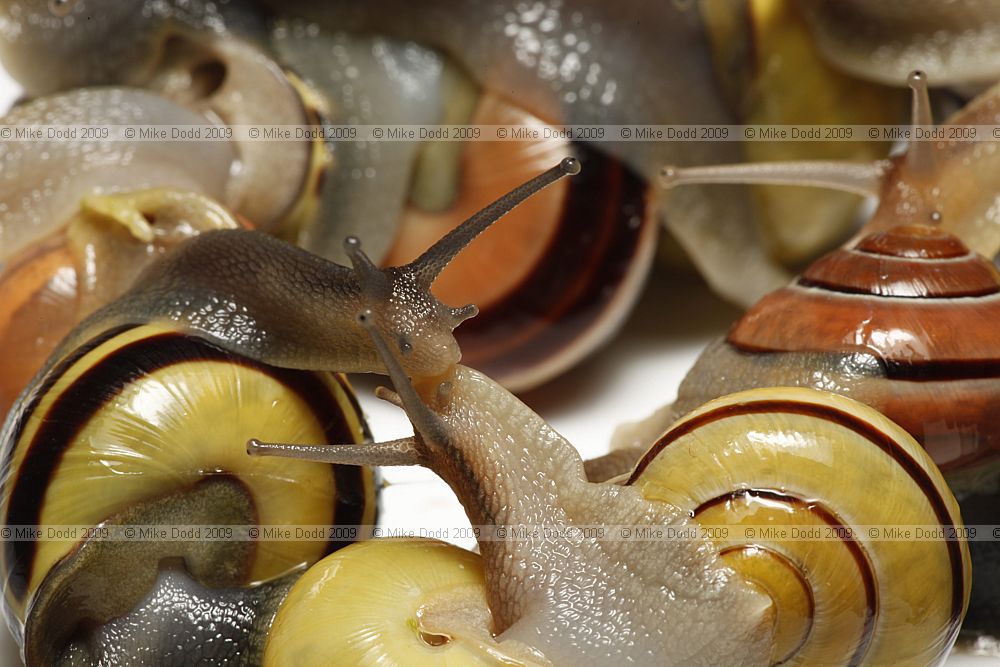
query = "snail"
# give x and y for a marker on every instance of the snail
(353, 78)
(568, 595)
(135, 428)
(211, 57)
(901, 319)
(139, 411)
(48, 287)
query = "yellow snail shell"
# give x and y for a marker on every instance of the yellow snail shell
(383, 601)
(805, 459)
(143, 413)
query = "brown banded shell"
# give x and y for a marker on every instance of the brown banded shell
(143, 425)
(557, 278)
(768, 469)
(925, 307)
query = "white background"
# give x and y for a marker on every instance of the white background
(636, 373)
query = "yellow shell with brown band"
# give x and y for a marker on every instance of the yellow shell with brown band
(789, 474)
(145, 425)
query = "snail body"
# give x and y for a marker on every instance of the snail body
(575, 596)
(42, 189)
(956, 44)
(138, 409)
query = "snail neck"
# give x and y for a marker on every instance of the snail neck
(910, 196)
(505, 463)
(511, 470)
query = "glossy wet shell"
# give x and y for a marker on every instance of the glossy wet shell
(926, 308)
(556, 277)
(800, 459)
(365, 604)
(141, 413)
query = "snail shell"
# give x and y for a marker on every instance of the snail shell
(557, 278)
(389, 601)
(784, 458)
(145, 425)
(928, 306)
(50, 286)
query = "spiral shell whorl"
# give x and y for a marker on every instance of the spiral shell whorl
(914, 274)
(143, 413)
(804, 459)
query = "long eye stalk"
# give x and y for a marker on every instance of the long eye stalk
(430, 264)
(865, 179)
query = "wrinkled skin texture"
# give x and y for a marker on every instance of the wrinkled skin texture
(276, 303)
(603, 602)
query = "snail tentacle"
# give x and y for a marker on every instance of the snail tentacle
(859, 178)
(920, 155)
(430, 264)
(399, 452)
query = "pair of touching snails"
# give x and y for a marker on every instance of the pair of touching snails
(564, 596)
